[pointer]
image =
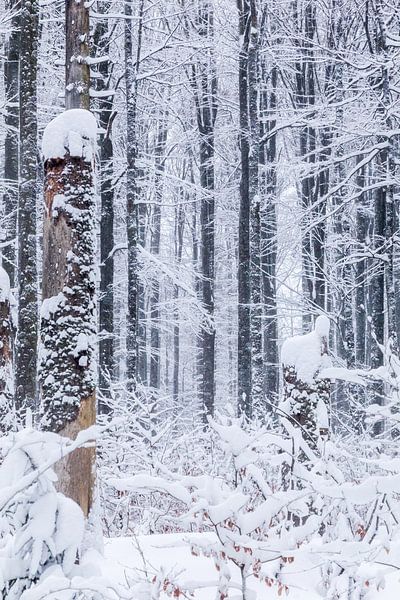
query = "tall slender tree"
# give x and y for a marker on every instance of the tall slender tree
(27, 326)
(102, 41)
(244, 280)
(11, 120)
(132, 65)
(204, 84)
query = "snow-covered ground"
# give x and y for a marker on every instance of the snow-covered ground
(126, 557)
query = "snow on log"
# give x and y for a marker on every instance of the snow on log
(306, 395)
(68, 324)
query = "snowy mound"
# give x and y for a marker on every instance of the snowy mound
(73, 131)
(304, 352)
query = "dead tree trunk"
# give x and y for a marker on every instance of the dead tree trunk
(77, 73)
(6, 373)
(306, 399)
(68, 327)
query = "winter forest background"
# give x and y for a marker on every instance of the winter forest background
(199, 299)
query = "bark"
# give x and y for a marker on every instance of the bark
(131, 85)
(102, 40)
(179, 229)
(68, 317)
(155, 339)
(244, 287)
(77, 72)
(6, 371)
(27, 326)
(268, 158)
(363, 226)
(314, 234)
(11, 121)
(256, 312)
(204, 84)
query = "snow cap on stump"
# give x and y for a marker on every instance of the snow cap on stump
(73, 132)
(304, 352)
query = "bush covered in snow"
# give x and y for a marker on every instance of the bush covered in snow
(41, 530)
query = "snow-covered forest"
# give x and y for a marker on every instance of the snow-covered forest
(199, 299)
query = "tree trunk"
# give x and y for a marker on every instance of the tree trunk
(244, 289)
(11, 121)
(204, 84)
(77, 72)
(27, 326)
(132, 220)
(179, 228)
(313, 234)
(68, 326)
(256, 312)
(6, 371)
(102, 40)
(269, 244)
(155, 250)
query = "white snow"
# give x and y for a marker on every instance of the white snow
(170, 554)
(73, 131)
(4, 285)
(304, 352)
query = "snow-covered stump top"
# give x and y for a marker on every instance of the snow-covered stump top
(306, 396)
(68, 324)
(72, 133)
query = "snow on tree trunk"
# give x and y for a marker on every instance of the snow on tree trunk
(6, 374)
(306, 396)
(68, 323)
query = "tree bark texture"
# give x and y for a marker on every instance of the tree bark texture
(155, 338)
(132, 220)
(102, 40)
(27, 325)
(11, 121)
(6, 360)
(68, 324)
(244, 286)
(77, 72)
(269, 242)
